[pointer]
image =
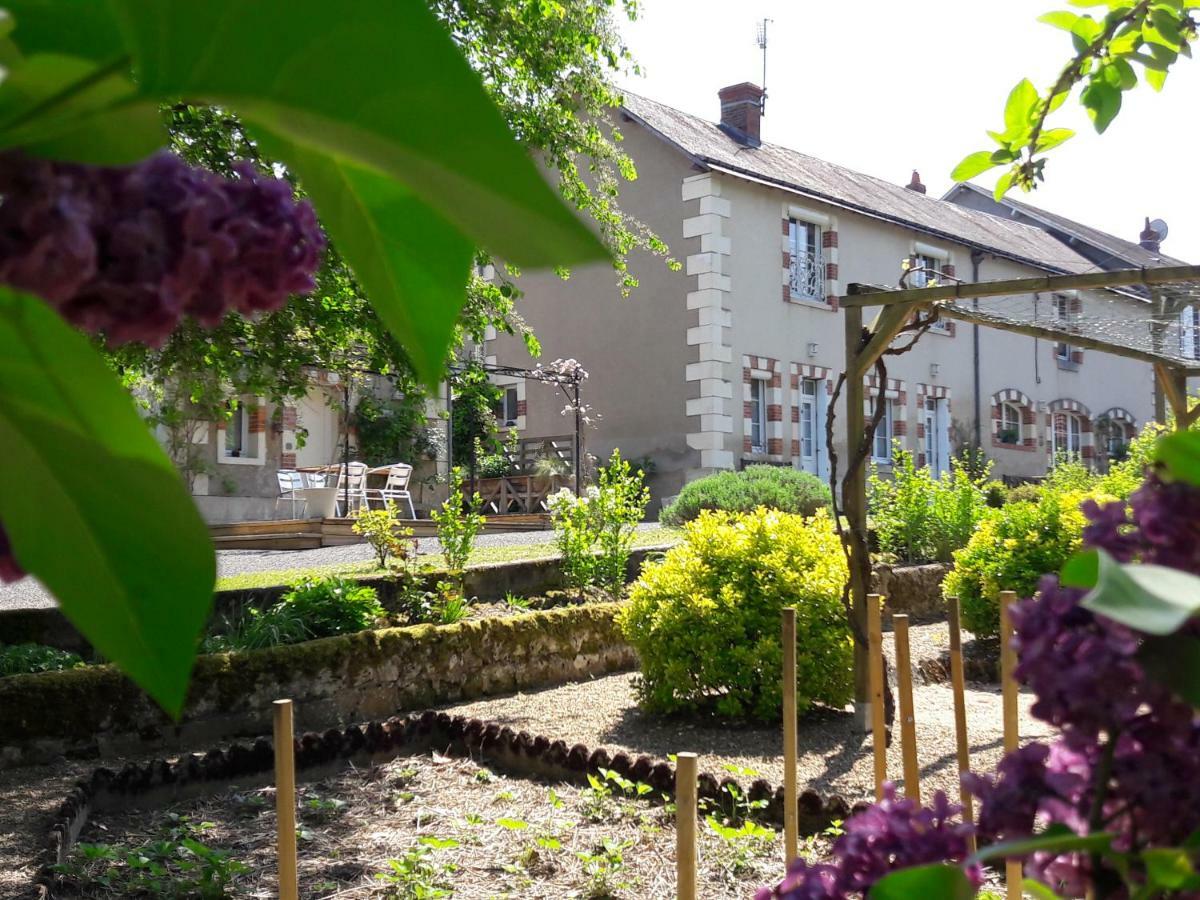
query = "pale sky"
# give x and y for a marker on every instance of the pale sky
(884, 87)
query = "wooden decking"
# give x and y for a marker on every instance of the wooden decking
(309, 534)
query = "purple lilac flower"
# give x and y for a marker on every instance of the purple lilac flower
(892, 834)
(127, 252)
(1088, 681)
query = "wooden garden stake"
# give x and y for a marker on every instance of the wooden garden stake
(285, 800)
(1008, 662)
(908, 724)
(875, 667)
(790, 808)
(958, 682)
(685, 825)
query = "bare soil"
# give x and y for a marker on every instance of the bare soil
(451, 825)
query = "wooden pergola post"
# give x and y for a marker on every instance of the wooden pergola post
(854, 506)
(1173, 383)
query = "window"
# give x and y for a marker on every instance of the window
(506, 407)
(758, 415)
(1118, 441)
(1010, 424)
(883, 434)
(1189, 333)
(925, 271)
(236, 429)
(808, 424)
(932, 421)
(806, 279)
(1066, 312)
(1068, 435)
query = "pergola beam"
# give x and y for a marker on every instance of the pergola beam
(870, 295)
(1174, 387)
(1070, 337)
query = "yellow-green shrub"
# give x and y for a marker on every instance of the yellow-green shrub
(1011, 550)
(705, 620)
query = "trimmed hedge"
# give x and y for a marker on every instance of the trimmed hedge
(773, 487)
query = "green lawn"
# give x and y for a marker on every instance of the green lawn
(482, 556)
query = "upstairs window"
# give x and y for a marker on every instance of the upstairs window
(806, 276)
(1189, 333)
(1066, 314)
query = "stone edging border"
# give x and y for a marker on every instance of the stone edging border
(317, 755)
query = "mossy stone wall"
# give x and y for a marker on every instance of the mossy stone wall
(334, 681)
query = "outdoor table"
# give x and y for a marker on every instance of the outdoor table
(322, 501)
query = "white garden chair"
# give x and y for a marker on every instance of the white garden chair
(289, 483)
(352, 487)
(396, 488)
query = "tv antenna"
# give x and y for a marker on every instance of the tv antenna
(760, 37)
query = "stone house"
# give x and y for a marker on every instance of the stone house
(731, 359)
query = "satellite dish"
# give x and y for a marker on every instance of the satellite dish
(1159, 227)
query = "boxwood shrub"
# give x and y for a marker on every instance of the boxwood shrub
(705, 620)
(774, 487)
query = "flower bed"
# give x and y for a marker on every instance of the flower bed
(427, 811)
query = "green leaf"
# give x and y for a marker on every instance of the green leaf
(94, 508)
(411, 261)
(1081, 570)
(383, 87)
(1018, 110)
(93, 33)
(1179, 453)
(1038, 890)
(1170, 869)
(512, 824)
(1103, 102)
(1174, 660)
(105, 123)
(940, 881)
(1152, 599)
(973, 165)
(1156, 78)
(1055, 839)
(1051, 138)
(1060, 19)
(1003, 183)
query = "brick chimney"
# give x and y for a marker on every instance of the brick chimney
(915, 184)
(1148, 238)
(741, 112)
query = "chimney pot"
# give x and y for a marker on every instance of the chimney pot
(915, 184)
(741, 112)
(1148, 239)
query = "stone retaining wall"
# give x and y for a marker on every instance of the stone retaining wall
(371, 674)
(489, 583)
(914, 590)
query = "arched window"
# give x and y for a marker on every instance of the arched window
(1010, 424)
(1012, 420)
(1067, 434)
(1115, 428)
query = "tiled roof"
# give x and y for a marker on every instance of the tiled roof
(820, 180)
(1125, 254)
